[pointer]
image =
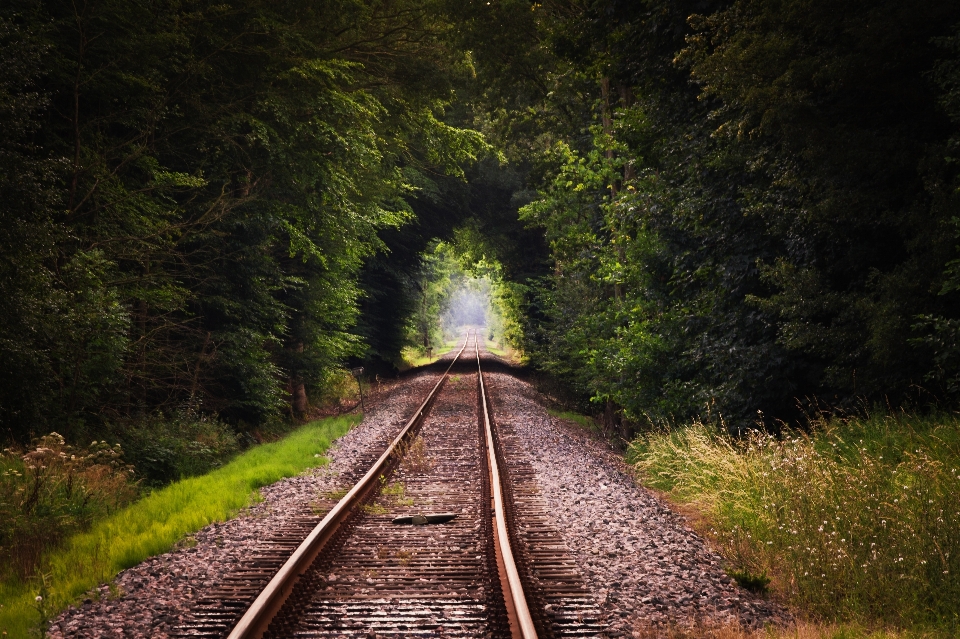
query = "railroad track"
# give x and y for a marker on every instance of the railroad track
(443, 535)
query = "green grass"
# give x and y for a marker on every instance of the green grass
(494, 348)
(857, 523)
(413, 358)
(588, 423)
(157, 522)
(506, 352)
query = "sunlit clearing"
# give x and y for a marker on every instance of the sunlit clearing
(468, 305)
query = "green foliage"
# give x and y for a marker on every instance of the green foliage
(746, 203)
(855, 521)
(461, 283)
(585, 422)
(191, 191)
(155, 523)
(750, 581)
(162, 450)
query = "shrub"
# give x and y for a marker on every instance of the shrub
(165, 449)
(51, 490)
(859, 520)
(155, 523)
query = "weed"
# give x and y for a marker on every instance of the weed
(750, 581)
(800, 630)
(187, 542)
(396, 493)
(404, 556)
(336, 495)
(374, 509)
(856, 522)
(52, 490)
(154, 524)
(41, 604)
(415, 457)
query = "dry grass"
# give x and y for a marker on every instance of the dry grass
(801, 630)
(51, 490)
(857, 523)
(416, 459)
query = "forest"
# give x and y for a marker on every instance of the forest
(740, 213)
(739, 209)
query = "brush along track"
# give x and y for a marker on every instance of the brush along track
(377, 578)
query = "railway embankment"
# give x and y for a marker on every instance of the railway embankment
(583, 525)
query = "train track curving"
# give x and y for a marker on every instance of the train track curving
(442, 535)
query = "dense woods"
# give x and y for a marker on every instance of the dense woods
(191, 190)
(751, 207)
(730, 227)
(725, 208)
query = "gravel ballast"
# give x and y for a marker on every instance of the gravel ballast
(646, 568)
(150, 599)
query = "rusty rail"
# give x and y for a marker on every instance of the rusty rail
(255, 621)
(512, 585)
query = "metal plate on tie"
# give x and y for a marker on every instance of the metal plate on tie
(421, 520)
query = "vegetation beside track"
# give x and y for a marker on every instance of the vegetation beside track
(154, 524)
(855, 523)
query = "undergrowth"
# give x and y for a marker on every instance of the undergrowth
(163, 449)
(799, 630)
(858, 522)
(156, 523)
(51, 490)
(583, 421)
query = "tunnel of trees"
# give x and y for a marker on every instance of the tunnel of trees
(716, 208)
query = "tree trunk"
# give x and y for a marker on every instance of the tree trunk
(298, 399)
(299, 403)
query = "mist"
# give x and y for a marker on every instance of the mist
(467, 306)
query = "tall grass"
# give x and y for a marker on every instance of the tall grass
(859, 521)
(155, 523)
(51, 490)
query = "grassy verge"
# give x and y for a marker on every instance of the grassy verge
(800, 630)
(413, 357)
(155, 523)
(585, 422)
(857, 524)
(506, 352)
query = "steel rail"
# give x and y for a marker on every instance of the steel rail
(254, 622)
(513, 587)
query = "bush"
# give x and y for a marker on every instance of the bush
(52, 490)
(858, 521)
(156, 522)
(165, 449)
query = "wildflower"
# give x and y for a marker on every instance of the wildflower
(39, 598)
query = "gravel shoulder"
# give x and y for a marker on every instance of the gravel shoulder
(645, 566)
(150, 599)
